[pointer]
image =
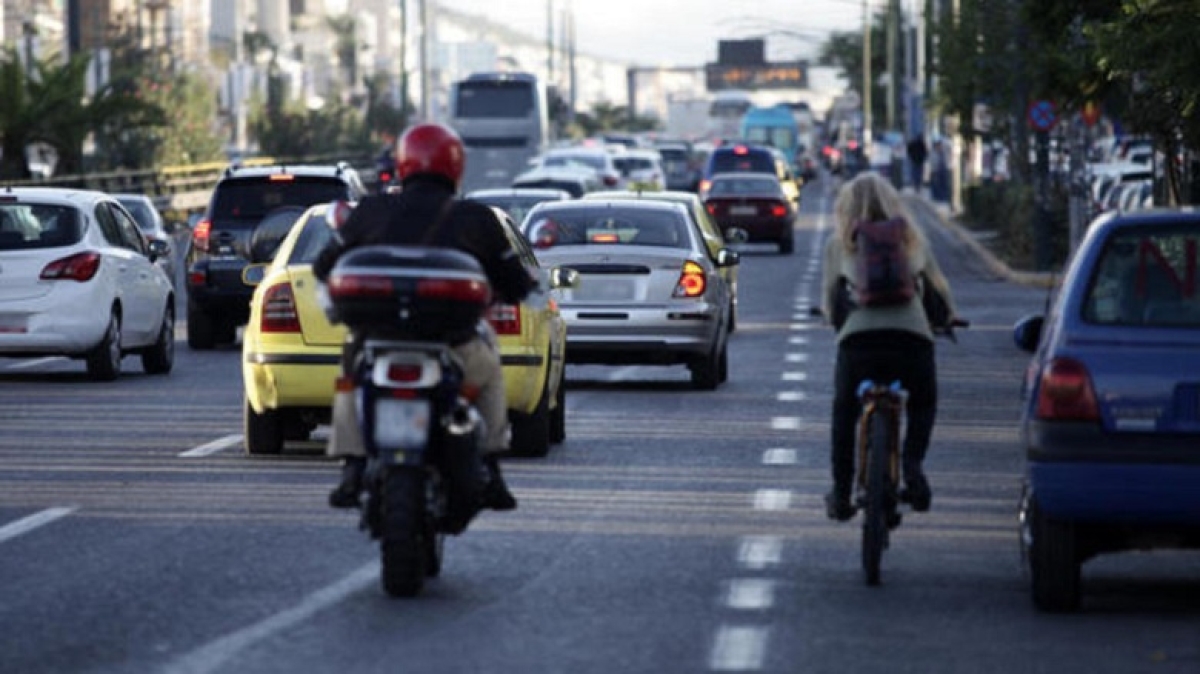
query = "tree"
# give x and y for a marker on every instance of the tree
(845, 50)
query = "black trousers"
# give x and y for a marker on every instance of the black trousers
(883, 356)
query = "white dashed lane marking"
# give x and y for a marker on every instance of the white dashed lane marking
(750, 594)
(779, 456)
(212, 447)
(772, 499)
(739, 649)
(27, 524)
(760, 552)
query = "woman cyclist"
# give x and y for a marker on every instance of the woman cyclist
(884, 343)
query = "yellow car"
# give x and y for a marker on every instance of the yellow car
(709, 231)
(291, 353)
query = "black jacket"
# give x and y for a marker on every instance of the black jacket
(405, 219)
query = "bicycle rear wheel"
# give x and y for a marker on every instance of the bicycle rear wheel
(877, 507)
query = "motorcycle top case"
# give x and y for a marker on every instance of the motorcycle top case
(410, 292)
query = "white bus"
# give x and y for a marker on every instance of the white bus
(503, 121)
(725, 114)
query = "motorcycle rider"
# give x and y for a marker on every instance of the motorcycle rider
(429, 165)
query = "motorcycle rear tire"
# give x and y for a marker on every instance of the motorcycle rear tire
(403, 549)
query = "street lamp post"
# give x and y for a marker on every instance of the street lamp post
(866, 68)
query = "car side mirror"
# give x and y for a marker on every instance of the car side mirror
(1027, 333)
(254, 274)
(563, 277)
(728, 258)
(157, 248)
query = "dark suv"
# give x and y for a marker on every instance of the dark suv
(251, 210)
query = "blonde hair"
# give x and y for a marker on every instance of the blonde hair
(869, 197)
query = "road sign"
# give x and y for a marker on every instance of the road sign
(1042, 115)
(1090, 113)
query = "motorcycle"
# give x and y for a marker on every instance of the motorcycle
(405, 307)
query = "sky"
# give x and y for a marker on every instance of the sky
(680, 32)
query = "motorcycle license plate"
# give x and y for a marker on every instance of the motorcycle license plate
(401, 423)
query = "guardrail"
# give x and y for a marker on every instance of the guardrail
(182, 189)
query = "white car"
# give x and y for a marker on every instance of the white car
(597, 159)
(78, 279)
(642, 169)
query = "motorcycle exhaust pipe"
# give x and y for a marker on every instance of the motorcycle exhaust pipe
(464, 419)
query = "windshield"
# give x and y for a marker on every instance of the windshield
(24, 226)
(608, 226)
(1146, 277)
(253, 199)
(508, 100)
(759, 162)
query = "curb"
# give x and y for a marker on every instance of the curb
(994, 264)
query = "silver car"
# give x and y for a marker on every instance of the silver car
(649, 292)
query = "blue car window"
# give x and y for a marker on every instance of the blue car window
(1146, 278)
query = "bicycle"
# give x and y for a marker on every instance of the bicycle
(878, 472)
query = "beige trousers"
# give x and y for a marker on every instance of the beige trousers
(480, 361)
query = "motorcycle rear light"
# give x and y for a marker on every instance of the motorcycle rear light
(1066, 393)
(78, 267)
(692, 281)
(279, 310)
(201, 234)
(357, 285)
(505, 319)
(461, 290)
(404, 373)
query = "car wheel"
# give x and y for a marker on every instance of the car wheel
(558, 416)
(531, 432)
(264, 432)
(723, 365)
(786, 246)
(1054, 563)
(706, 371)
(160, 357)
(104, 362)
(225, 332)
(732, 325)
(200, 333)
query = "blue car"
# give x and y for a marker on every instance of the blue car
(1111, 421)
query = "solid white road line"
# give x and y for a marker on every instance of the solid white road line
(211, 656)
(738, 649)
(212, 447)
(27, 524)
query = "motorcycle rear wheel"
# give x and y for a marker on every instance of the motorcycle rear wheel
(403, 549)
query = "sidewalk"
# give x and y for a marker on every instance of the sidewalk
(946, 217)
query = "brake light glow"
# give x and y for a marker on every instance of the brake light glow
(704, 185)
(201, 234)
(605, 237)
(691, 281)
(741, 149)
(505, 319)
(352, 285)
(1065, 392)
(279, 310)
(404, 373)
(711, 208)
(282, 177)
(460, 290)
(778, 210)
(197, 276)
(78, 267)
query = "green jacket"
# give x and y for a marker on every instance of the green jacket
(909, 317)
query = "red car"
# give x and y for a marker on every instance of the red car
(754, 202)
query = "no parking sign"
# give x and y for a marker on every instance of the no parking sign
(1042, 115)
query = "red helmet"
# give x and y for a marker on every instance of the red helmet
(430, 148)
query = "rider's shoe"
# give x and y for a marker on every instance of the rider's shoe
(345, 495)
(916, 490)
(496, 495)
(838, 506)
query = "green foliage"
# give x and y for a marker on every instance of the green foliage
(292, 131)
(845, 50)
(605, 116)
(1007, 211)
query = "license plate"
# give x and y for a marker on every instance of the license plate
(401, 423)
(743, 210)
(604, 290)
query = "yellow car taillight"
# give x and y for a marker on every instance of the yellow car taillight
(692, 281)
(279, 310)
(505, 319)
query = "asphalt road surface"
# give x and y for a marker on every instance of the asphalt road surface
(674, 530)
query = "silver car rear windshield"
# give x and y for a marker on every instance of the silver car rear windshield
(28, 226)
(608, 227)
(1147, 277)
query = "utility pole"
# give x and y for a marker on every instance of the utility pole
(571, 60)
(893, 20)
(549, 42)
(403, 63)
(424, 19)
(866, 74)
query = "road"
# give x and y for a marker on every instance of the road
(674, 530)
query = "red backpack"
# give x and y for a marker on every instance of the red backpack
(881, 263)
